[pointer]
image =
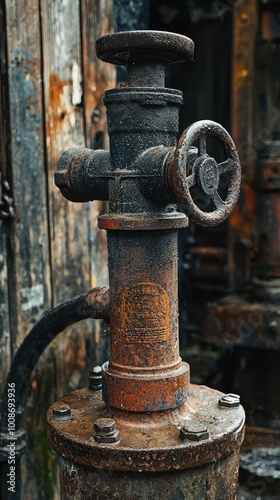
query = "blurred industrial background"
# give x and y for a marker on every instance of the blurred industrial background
(52, 87)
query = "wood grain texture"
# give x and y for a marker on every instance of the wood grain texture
(64, 128)
(30, 290)
(96, 20)
(5, 348)
(27, 234)
(64, 115)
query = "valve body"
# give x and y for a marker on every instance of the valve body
(153, 430)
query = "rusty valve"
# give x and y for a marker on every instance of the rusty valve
(141, 176)
(148, 418)
(204, 173)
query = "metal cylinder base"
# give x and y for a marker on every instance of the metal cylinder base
(215, 481)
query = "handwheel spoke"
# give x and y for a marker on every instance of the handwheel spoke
(202, 146)
(226, 166)
(217, 200)
(190, 180)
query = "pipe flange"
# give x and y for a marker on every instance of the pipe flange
(149, 441)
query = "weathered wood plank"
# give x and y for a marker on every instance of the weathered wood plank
(64, 116)
(64, 129)
(97, 19)
(29, 257)
(5, 351)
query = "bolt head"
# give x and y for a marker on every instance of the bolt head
(229, 401)
(62, 411)
(105, 431)
(104, 426)
(194, 432)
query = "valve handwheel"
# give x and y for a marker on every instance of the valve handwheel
(204, 173)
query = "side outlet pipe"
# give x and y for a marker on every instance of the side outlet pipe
(93, 304)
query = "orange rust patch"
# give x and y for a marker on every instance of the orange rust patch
(57, 107)
(243, 218)
(56, 87)
(145, 313)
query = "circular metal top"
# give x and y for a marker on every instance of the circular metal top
(149, 441)
(126, 46)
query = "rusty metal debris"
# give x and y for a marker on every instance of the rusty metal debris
(147, 404)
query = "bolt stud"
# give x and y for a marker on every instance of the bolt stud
(95, 379)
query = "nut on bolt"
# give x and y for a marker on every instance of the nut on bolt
(105, 431)
(194, 432)
(62, 411)
(230, 400)
(95, 379)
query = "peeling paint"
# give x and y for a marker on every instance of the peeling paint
(76, 84)
(32, 297)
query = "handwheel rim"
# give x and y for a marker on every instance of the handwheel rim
(223, 208)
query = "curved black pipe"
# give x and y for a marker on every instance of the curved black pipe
(92, 304)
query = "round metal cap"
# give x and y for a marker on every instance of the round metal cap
(127, 46)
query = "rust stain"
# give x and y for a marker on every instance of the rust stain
(243, 217)
(59, 106)
(149, 441)
(145, 313)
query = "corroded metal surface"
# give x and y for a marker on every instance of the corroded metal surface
(145, 372)
(260, 436)
(237, 321)
(123, 47)
(214, 481)
(148, 441)
(146, 397)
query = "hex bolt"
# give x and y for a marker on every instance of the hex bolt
(95, 379)
(229, 401)
(105, 431)
(194, 432)
(62, 411)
